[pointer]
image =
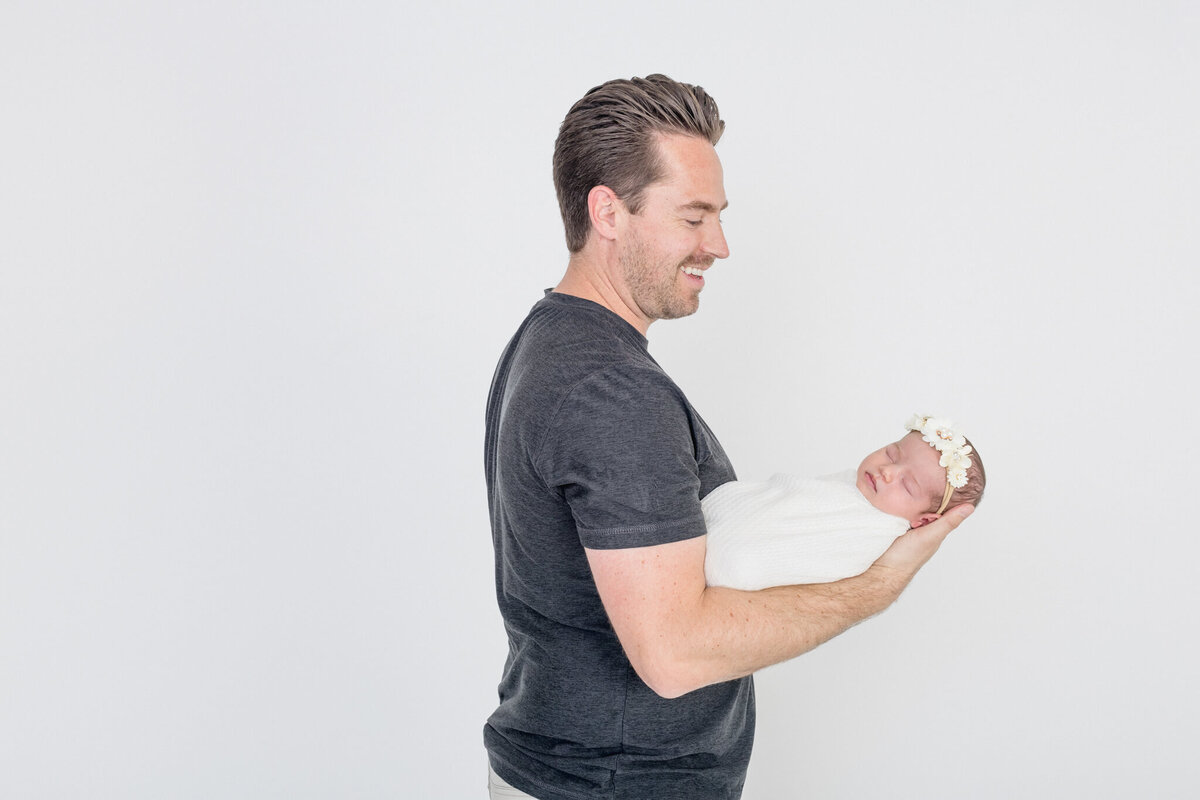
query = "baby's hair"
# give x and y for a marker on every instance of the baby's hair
(976, 481)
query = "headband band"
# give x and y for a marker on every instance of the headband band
(945, 498)
(952, 446)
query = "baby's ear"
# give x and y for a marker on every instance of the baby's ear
(924, 519)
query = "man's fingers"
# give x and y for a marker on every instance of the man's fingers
(958, 514)
(940, 528)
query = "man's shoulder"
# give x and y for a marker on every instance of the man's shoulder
(573, 366)
(573, 338)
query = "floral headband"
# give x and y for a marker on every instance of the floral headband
(953, 447)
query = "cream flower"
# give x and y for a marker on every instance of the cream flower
(938, 432)
(954, 455)
(956, 478)
(955, 460)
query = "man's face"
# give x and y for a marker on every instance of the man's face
(903, 479)
(677, 234)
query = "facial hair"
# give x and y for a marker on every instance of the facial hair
(654, 285)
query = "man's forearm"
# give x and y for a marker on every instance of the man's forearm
(735, 633)
(746, 631)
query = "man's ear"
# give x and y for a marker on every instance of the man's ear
(603, 206)
(924, 519)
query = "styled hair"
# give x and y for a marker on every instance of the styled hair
(609, 138)
(976, 481)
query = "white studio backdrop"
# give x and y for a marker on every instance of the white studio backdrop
(257, 261)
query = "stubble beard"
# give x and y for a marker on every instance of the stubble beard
(654, 286)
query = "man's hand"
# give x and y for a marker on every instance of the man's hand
(910, 551)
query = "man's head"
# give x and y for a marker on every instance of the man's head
(906, 479)
(611, 138)
(663, 250)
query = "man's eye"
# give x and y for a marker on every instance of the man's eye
(694, 222)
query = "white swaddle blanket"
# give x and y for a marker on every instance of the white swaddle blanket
(789, 530)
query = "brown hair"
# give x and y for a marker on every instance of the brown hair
(608, 139)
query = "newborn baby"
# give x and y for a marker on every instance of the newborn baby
(790, 530)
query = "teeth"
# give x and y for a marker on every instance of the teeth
(694, 271)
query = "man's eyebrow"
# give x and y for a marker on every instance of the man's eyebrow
(700, 205)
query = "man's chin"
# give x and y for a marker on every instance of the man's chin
(679, 312)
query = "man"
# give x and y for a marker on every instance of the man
(627, 676)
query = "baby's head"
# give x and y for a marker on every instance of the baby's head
(930, 469)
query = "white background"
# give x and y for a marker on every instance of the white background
(257, 261)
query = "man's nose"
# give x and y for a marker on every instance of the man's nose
(715, 244)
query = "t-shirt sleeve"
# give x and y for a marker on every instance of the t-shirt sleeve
(621, 450)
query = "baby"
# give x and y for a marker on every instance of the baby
(791, 530)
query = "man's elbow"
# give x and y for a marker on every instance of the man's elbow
(668, 677)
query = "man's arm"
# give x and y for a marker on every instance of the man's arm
(681, 634)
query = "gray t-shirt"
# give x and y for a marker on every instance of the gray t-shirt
(590, 444)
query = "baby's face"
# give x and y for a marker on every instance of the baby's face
(904, 479)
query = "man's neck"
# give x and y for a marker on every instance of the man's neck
(591, 277)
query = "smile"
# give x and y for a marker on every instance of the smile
(696, 271)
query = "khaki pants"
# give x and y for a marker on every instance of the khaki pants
(499, 790)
